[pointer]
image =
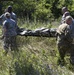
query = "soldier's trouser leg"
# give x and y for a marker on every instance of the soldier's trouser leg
(72, 54)
(62, 52)
(6, 44)
(13, 43)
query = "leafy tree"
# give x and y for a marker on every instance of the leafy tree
(38, 9)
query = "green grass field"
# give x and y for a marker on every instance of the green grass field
(36, 55)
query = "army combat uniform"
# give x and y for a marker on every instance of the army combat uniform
(64, 16)
(64, 41)
(3, 18)
(9, 33)
(72, 47)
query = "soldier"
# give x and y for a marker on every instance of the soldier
(64, 39)
(65, 13)
(9, 33)
(13, 15)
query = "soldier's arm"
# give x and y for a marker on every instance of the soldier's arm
(61, 31)
(5, 27)
(1, 16)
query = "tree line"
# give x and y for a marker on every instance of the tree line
(38, 9)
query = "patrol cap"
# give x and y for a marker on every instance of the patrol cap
(64, 8)
(67, 14)
(7, 14)
(9, 8)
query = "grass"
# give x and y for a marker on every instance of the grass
(36, 56)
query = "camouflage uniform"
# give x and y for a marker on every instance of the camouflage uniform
(10, 41)
(10, 34)
(64, 16)
(64, 40)
(3, 18)
(72, 46)
(13, 16)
